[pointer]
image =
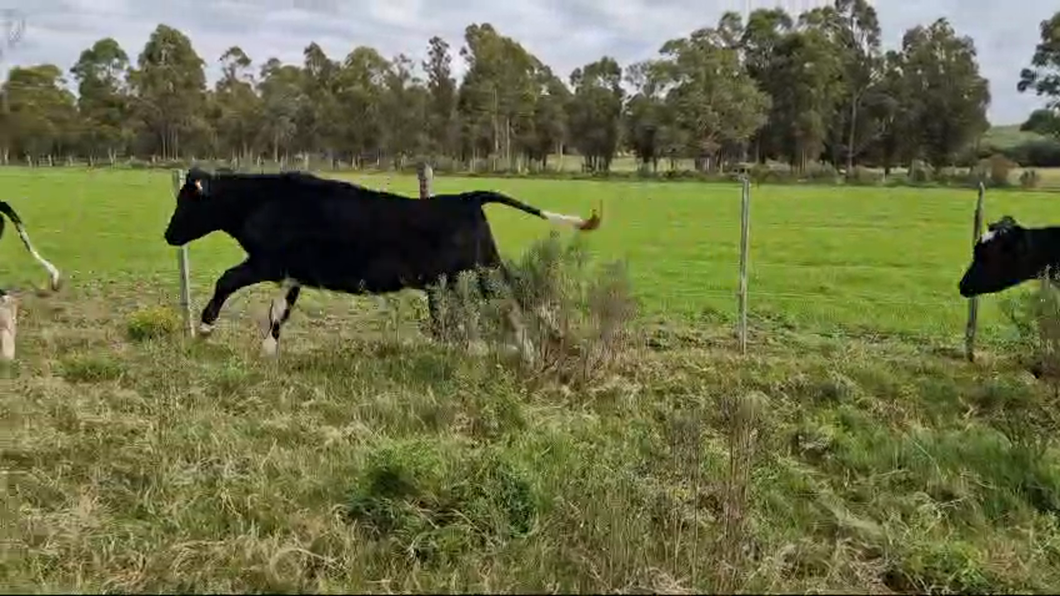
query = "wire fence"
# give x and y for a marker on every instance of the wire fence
(769, 277)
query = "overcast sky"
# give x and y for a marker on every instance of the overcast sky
(563, 33)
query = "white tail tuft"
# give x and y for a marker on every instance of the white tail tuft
(559, 218)
(573, 220)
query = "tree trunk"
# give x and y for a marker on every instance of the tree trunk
(851, 138)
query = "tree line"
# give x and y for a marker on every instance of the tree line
(816, 87)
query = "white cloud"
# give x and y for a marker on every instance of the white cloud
(563, 33)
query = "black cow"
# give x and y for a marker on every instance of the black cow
(1008, 254)
(8, 305)
(301, 230)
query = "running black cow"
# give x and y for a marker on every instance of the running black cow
(8, 305)
(1008, 254)
(301, 230)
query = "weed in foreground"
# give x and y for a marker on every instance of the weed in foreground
(575, 323)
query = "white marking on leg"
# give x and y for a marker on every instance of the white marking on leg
(205, 329)
(53, 271)
(270, 344)
(8, 327)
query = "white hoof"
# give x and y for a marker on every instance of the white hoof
(269, 347)
(205, 330)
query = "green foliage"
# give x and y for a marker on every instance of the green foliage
(850, 451)
(90, 368)
(996, 170)
(151, 323)
(1030, 419)
(1043, 77)
(577, 318)
(801, 89)
(1030, 179)
(438, 502)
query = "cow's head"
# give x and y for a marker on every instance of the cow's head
(1001, 258)
(196, 214)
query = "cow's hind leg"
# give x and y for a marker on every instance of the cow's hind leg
(279, 311)
(231, 281)
(8, 326)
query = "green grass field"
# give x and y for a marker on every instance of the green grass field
(868, 455)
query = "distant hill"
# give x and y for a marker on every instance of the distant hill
(1008, 136)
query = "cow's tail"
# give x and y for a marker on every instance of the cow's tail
(54, 276)
(586, 225)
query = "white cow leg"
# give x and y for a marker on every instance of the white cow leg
(8, 327)
(270, 345)
(279, 311)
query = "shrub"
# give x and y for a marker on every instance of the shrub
(821, 172)
(919, 172)
(1030, 419)
(436, 501)
(151, 323)
(996, 169)
(864, 176)
(576, 321)
(1029, 179)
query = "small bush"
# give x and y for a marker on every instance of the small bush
(996, 169)
(919, 173)
(861, 175)
(1028, 418)
(821, 172)
(437, 501)
(1029, 179)
(576, 319)
(151, 323)
(1035, 320)
(90, 368)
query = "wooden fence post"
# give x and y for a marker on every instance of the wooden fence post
(182, 266)
(973, 302)
(745, 244)
(426, 176)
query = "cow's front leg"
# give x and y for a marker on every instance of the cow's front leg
(8, 326)
(279, 311)
(231, 281)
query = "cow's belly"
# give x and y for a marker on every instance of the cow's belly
(380, 273)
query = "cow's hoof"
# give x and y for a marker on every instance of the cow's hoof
(205, 330)
(269, 347)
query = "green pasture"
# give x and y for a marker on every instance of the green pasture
(364, 461)
(823, 259)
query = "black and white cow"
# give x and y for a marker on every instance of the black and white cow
(8, 304)
(301, 230)
(1008, 254)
